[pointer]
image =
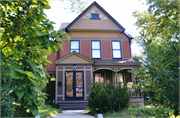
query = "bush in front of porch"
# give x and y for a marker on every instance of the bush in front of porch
(106, 98)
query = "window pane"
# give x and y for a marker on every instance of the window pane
(116, 54)
(95, 15)
(75, 50)
(96, 54)
(116, 45)
(95, 45)
(97, 77)
(120, 77)
(74, 44)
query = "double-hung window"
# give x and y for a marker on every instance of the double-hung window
(74, 46)
(116, 49)
(96, 49)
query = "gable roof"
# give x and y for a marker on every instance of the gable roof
(68, 25)
(105, 12)
(76, 55)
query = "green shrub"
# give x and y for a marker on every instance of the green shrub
(142, 112)
(106, 98)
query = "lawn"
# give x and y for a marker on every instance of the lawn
(47, 111)
(145, 112)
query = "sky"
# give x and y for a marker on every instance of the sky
(116, 8)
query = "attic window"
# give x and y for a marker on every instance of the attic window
(95, 16)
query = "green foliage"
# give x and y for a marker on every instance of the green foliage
(46, 111)
(144, 112)
(105, 98)
(76, 6)
(27, 37)
(159, 37)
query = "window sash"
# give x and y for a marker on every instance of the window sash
(95, 16)
(74, 46)
(96, 49)
(116, 49)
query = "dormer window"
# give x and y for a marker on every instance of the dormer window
(95, 16)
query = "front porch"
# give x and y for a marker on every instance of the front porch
(122, 76)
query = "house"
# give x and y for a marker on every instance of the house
(99, 49)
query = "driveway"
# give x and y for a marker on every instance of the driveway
(73, 114)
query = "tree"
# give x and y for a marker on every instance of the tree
(159, 37)
(27, 37)
(76, 6)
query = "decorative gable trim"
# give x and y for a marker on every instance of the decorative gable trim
(105, 12)
(74, 58)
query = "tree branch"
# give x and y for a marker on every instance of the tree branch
(173, 5)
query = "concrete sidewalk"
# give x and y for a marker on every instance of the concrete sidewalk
(73, 114)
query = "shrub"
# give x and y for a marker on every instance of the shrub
(106, 98)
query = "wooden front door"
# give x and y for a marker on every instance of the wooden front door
(74, 87)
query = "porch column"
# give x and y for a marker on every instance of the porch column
(116, 83)
(140, 86)
(133, 78)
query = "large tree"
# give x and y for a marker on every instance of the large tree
(27, 37)
(159, 37)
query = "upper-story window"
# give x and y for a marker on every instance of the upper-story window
(116, 49)
(96, 49)
(95, 16)
(74, 46)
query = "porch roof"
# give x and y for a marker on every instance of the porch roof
(115, 61)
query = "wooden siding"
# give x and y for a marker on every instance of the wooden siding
(88, 81)
(52, 58)
(73, 59)
(95, 24)
(106, 49)
(86, 22)
(60, 79)
(126, 50)
(97, 35)
(65, 50)
(85, 48)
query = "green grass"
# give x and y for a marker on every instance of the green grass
(144, 112)
(47, 111)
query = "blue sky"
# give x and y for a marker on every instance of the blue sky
(116, 8)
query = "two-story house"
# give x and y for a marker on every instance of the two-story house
(99, 49)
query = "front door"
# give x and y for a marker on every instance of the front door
(74, 88)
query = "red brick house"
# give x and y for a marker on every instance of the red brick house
(99, 49)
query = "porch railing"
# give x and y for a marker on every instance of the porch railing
(135, 92)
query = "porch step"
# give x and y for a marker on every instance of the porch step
(73, 105)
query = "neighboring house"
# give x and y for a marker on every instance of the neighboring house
(99, 49)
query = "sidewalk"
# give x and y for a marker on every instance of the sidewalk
(73, 114)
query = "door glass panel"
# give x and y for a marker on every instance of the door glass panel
(69, 84)
(79, 84)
